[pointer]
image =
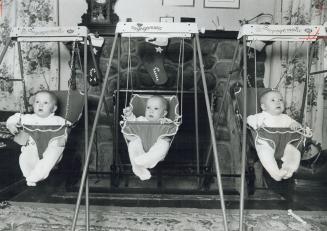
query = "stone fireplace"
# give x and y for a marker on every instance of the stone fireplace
(217, 49)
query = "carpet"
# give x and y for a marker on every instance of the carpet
(55, 217)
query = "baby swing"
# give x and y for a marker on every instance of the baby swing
(153, 31)
(70, 103)
(277, 137)
(150, 132)
(255, 33)
(70, 107)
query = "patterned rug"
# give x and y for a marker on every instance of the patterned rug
(50, 217)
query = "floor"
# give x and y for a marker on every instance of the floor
(306, 194)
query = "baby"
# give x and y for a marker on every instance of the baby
(155, 111)
(272, 115)
(36, 166)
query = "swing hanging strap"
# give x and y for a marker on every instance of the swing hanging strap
(180, 75)
(129, 75)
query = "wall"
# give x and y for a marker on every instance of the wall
(151, 10)
(70, 13)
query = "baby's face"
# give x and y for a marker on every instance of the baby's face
(155, 109)
(273, 103)
(43, 105)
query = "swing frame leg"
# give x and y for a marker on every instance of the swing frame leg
(116, 157)
(86, 134)
(4, 51)
(244, 131)
(304, 97)
(196, 116)
(20, 58)
(212, 133)
(86, 179)
(223, 98)
(88, 154)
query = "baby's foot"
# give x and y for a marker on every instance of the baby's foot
(282, 173)
(142, 173)
(29, 183)
(288, 173)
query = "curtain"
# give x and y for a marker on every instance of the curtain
(7, 21)
(287, 66)
(40, 60)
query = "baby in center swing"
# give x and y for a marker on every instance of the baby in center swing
(155, 111)
(273, 116)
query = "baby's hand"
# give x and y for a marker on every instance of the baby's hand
(128, 111)
(295, 126)
(164, 120)
(13, 128)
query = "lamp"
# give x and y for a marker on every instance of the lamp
(261, 18)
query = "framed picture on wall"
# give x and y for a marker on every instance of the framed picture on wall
(166, 19)
(178, 2)
(221, 3)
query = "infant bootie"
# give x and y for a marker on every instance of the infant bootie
(31, 184)
(142, 173)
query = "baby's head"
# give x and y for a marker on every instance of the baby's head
(45, 103)
(272, 102)
(156, 108)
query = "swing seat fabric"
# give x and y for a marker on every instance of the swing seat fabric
(70, 105)
(44, 134)
(278, 138)
(149, 132)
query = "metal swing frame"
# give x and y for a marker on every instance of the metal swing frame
(53, 34)
(254, 32)
(166, 30)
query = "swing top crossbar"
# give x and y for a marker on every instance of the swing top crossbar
(156, 29)
(48, 34)
(282, 32)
